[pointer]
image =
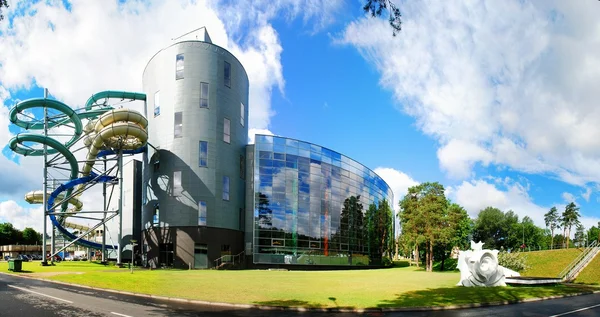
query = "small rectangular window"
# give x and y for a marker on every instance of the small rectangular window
(203, 154)
(242, 167)
(178, 132)
(177, 189)
(227, 74)
(202, 213)
(203, 95)
(242, 113)
(179, 66)
(226, 130)
(157, 103)
(156, 216)
(225, 187)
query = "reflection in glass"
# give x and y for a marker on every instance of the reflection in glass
(202, 213)
(227, 74)
(157, 103)
(309, 205)
(178, 131)
(225, 187)
(203, 95)
(179, 66)
(203, 157)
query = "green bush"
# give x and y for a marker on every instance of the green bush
(402, 263)
(514, 261)
(385, 261)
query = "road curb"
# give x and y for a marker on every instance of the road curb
(311, 309)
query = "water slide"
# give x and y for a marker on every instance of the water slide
(108, 131)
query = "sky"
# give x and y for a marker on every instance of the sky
(495, 100)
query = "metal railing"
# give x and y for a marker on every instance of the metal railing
(571, 271)
(228, 258)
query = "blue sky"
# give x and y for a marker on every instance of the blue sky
(495, 100)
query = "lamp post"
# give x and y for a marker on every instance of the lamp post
(133, 244)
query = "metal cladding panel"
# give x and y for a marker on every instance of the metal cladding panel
(178, 79)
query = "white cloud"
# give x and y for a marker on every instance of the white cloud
(586, 195)
(476, 195)
(568, 197)
(22, 217)
(253, 132)
(75, 55)
(509, 83)
(398, 181)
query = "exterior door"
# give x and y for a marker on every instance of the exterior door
(200, 256)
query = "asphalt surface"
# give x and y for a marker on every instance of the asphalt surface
(29, 297)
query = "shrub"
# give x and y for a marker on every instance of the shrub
(401, 263)
(386, 261)
(514, 261)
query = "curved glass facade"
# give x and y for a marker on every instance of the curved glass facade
(310, 204)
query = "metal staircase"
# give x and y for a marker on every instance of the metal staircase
(572, 270)
(229, 261)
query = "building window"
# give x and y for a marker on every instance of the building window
(156, 216)
(157, 103)
(203, 154)
(179, 66)
(202, 213)
(225, 249)
(178, 132)
(242, 167)
(242, 113)
(177, 183)
(226, 130)
(227, 74)
(225, 187)
(166, 254)
(203, 95)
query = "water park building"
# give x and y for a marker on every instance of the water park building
(202, 193)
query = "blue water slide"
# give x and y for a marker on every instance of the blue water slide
(70, 185)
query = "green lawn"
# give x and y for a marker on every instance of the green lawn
(406, 287)
(591, 273)
(549, 263)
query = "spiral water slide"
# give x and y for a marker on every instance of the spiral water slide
(108, 131)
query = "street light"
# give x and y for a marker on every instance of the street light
(133, 244)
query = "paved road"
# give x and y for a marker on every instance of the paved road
(27, 297)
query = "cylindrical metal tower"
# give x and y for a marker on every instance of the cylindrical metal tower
(197, 112)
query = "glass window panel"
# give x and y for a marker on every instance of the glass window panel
(242, 167)
(226, 130)
(177, 182)
(203, 157)
(279, 141)
(178, 132)
(203, 95)
(157, 103)
(179, 66)
(291, 143)
(279, 156)
(266, 147)
(202, 213)
(225, 187)
(242, 114)
(279, 148)
(227, 74)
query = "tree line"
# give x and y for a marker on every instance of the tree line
(432, 225)
(11, 235)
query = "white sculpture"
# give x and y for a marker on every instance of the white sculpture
(480, 267)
